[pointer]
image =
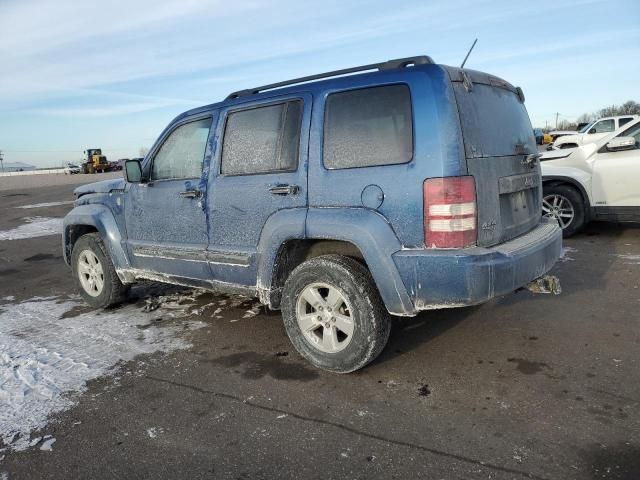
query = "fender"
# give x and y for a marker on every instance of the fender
(101, 218)
(571, 175)
(281, 226)
(371, 233)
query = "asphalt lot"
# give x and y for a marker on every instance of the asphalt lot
(526, 386)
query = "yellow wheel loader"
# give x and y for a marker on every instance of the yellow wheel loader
(94, 161)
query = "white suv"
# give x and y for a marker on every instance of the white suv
(596, 181)
(593, 132)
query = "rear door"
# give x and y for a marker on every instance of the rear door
(500, 151)
(260, 170)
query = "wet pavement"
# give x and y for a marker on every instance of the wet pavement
(526, 386)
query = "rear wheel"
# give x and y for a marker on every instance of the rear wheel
(333, 313)
(565, 204)
(94, 273)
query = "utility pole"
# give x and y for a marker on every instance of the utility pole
(557, 115)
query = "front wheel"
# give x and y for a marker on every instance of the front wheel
(565, 204)
(94, 273)
(333, 313)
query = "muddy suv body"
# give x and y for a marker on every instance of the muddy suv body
(407, 187)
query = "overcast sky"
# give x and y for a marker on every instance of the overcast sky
(112, 74)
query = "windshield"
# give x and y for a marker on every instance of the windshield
(586, 127)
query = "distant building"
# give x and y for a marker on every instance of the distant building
(17, 167)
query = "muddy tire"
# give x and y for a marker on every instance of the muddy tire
(94, 273)
(333, 313)
(565, 204)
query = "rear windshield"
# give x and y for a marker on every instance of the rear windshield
(494, 121)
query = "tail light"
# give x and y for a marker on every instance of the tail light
(450, 212)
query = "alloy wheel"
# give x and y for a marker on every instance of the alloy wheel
(325, 317)
(559, 207)
(90, 273)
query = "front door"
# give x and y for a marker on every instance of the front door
(166, 220)
(616, 176)
(260, 170)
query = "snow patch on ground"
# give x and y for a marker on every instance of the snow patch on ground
(564, 256)
(46, 360)
(630, 259)
(46, 204)
(153, 432)
(35, 227)
(47, 446)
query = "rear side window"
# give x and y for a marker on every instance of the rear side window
(181, 154)
(624, 121)
(262, 139)
(368, 127)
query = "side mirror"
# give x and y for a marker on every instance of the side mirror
(621, 143)
(133, 171)
(593, 130)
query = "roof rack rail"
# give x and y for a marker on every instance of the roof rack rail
(388, 65)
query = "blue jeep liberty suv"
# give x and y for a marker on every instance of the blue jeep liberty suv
(340, 198)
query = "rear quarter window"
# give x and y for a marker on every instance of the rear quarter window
(368, 127)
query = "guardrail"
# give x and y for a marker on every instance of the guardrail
(56, 171)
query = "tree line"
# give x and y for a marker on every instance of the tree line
(628, 108)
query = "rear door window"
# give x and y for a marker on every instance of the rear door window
(624, 121)
(262, 139)
(368, 127)
(182, 153)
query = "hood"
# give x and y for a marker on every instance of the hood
(575, 138)
(577, 154)
(563, 132)
(556, 154)
(104, 186)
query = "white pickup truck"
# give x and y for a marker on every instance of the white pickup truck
(596, 130)
(595, 181)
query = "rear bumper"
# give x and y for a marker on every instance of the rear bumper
(456, 278)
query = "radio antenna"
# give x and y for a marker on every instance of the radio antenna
(468, 53)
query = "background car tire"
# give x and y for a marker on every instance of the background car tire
(371, 321)
(113, 291)
(574, 197)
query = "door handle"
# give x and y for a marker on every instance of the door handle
(284, 189)
(191, 194)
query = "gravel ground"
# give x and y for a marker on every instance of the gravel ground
(525, 386)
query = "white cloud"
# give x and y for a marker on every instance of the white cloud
(56, 47)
